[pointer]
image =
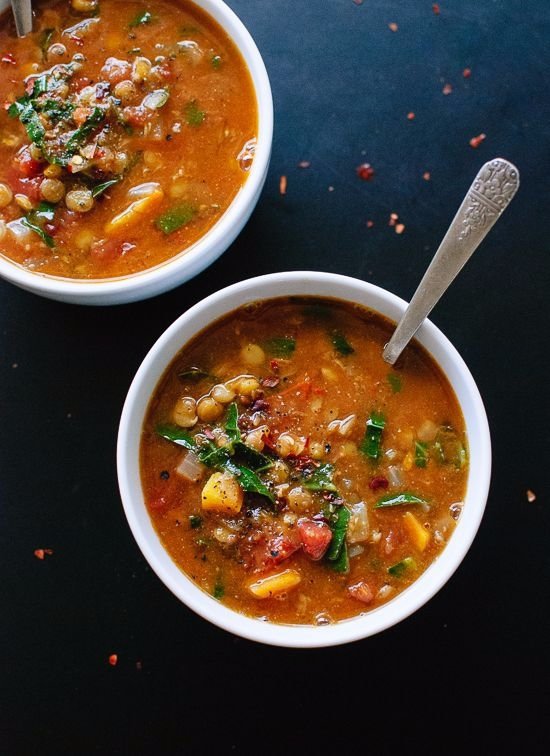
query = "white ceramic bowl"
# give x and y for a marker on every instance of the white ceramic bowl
(194, 259)
(160, 356)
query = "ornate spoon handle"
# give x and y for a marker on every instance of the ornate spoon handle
(22, 13)
(487, 198)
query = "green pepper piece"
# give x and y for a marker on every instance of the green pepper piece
(175, 218)
(395, 500)
(399, 569)
(339, 530)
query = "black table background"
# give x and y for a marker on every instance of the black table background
(470, 669)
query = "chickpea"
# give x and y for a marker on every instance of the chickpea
(279, 472)
(252, 354)
(125, 91)
(299, 499)
(184, 413)
(53, 171)
(79, 200)
(288, 444)
(245, 385)
(316, 450)
(208, 409)
(35, 152)
(23, 201)
(6, 195)
(141, 70)
(255, 439)
(52, 190)
(85, 6)
(222, 393)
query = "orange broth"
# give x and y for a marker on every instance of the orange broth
(363, 466)
(128, 130)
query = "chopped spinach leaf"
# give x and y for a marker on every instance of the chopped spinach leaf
(341, 344)
(30, 223)
(178, 436)
(216, 62)
(395, 382)
(193, 115)
(395, 500)
(81, 134)
(195, 521)
(281, 347)
(420, 454)
(231, 426)
(248, 480)
(339, 529)
(341, 563)
(321, 479)
(142, 18)
(251, 458)
(399, 569)
(194, 375)
(174, 218)
(371, 445)
(100, 188)
(45, 39)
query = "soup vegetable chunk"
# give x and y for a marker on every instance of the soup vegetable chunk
(127, 130)
(291, 472)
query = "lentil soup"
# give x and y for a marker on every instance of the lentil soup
(128, 129)
(291, 473)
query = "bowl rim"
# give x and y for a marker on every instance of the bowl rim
(192, 260)
(307, 283)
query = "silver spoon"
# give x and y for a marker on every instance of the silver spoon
(22, 13)
(487, 198)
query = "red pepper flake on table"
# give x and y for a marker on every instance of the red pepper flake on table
(365, 171)
(426, 175)
(447, 89)
(399, 228)
(304, 164)
(41, 553)
(370, 223)
(436, 9)
(393, 219)
(477, 140)
(113, 660)
(467, 73)
(411, 116)
(282, 185)
(393, 26)
(531, 496)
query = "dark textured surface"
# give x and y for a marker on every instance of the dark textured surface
(469, 672)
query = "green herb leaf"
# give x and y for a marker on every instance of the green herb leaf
(371, 445)
(395, 382)
(178, 436)
(321, 479)
(281, 347)
(251, 458)
(218, 591)
(395, 500)
(341, 564)
(194, 375)
(341, 344)
(36, 218)
(30, 223)
(399, 569)
(82, 133)
(31, 121)
(339, 530)
(195, 521)
(420, 454)
(175, 218)
(100, 188)
(45, 39)
(142, 18)
(248, 480)
(231, 425)
(193, 115)
(216, 62)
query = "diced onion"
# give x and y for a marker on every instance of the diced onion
(355, 550)
(358, 528)
(155, 100)
(144, 190)
(395, 476)
(190, 467)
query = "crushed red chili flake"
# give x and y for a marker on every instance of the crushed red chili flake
(393, 26)
(41, 553)
(270, 381)
(370, 223)
(379, 481)
(8, 58)
(467, 73)
(447, 89)
(400, 227)
(209, 433)
(426, 175)
(531, 496)
(113, 660)
(436, 9)
(274, 366)
(139, 666)
(477, 140)
(304, 164)
(282, 185)
(411, 116)
(365, 171)
(358, 2)
(393, 219)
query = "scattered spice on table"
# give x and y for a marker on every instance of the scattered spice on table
(358, 2)
(282, 185)
(436, 9)
(331, 188)
(447, 89)
(531, 496)
(139, 666)
(393, 26)
(467, 73)
(411, 116)
(370, 223)
(113, 660)
(365, 171)
(477, 140)
(304, 164)
(393, 219)
(426, 175)
(41, 553)
(399, 228)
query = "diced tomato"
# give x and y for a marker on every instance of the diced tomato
(379, 481)
(267, 553)
(110, 250)
(8, 58)
(116, 70)
(135, 115)
(315, 536)
(30, 187)
(26, 165)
